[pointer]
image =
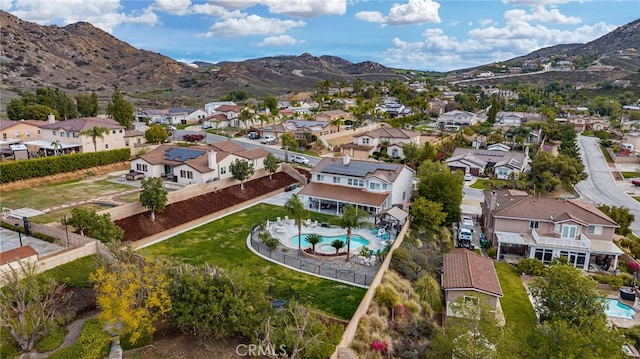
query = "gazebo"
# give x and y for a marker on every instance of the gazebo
(394, 215)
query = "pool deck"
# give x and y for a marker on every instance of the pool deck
(285, 230)
(625, 322)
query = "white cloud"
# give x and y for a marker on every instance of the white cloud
(540, 14)
(486, 22)
(539, 2)
(307, 8)
(5, 4)
(484, 45)
(281, 40)
(235, 4)
(252, 25)
(176, 7)
(103, 14)
(413, 12)
(215, 10)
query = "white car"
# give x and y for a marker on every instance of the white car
(267, 139)
(300, 159)
(468, 177)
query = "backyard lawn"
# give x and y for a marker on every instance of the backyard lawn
(222, 243)
(55, 216)
(517, 308)
(486, 184)
(51, 195)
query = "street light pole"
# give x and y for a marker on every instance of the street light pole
(19, 234)
(66, 230)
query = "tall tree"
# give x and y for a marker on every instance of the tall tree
(120, 109)
(153, 196)
(87, 104)
(100, 227)
(620, 215)
(352, 217)
(156, 134)
(95, 132)
(271, 164)
(493, 110)
(29, 304)
(56, 145)
(132, 292)
(271, 103)
(438, 184)
(295, 207)
(427, 214)
(246, 116)
(241, 170)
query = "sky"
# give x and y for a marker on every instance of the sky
(415, 34)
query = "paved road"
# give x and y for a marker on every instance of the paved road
(600, 187)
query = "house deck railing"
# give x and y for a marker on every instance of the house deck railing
(582, 243)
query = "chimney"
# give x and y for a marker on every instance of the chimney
(493, 200)
(346, 160)
(51, 118)
(211, 159)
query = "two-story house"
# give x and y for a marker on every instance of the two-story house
(389, 138)
(454, 120)
(196, 164)
(13, 133)
(370, 185)
(299, 129)
(504, 165)
(328, 116)
(547, 228)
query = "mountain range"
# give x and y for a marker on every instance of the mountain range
(80, 58)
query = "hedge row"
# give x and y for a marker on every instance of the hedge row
(46, 166)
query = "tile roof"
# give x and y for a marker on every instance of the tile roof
(464, 269)
(489, 156)
(389, 132)
(4, 124)
(229, 108)
(83, 124)
(344, 194)
(17, 254)
(517, 204)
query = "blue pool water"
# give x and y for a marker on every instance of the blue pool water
(325, 242)
(615, 308)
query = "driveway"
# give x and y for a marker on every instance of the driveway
(600, 187)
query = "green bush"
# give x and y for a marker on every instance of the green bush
(94, 343)
(8, 346)
(492, 252)
(45, 166)
(75, 274)
(144, 339)
(615, 281)
(53, 340)
(531, 266)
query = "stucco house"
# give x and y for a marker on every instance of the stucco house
(458, 119)
(328, 116)
(504, 165)
(299, 128)
(469, 278)
(370, 185)
(196, 164)
(393, 139)
(15, 132)
(545, 228)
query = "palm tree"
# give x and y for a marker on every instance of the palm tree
(94, 133)
(56, 145)
(313, 239)
(352, 217)
(246, 116)
(296, 209)
(338, 122)
(337, 244)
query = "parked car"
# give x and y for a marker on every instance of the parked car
(468, 177)
(268, 139)
(636, 182)
(172, 128)
(207, 127)
(300, 159)
(253, 135)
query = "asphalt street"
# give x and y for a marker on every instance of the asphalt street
(600, 187)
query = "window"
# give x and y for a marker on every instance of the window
(365, 141)
(395, 153)
(75, 135)
(385, 186)
(4, 136)
(374, 186)
(62, 134)
(569, 232)
(471, 299)
(141, 167)
(113, 131)
(545, 255)
(55, 132)
(533, 224)
(106, 146)
(320, 178)
(28, 133)
(18, 134)
(223, 170)
(126, 142)
(336, 179)
(594, 229)
(186, 174)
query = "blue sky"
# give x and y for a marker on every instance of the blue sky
(414, 34)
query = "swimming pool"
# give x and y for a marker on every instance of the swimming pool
(615, 308)
(324, 246)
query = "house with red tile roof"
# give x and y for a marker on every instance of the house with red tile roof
(389, 138)
(469, 278)
(196, 164)
(523, 226)
(370, 185)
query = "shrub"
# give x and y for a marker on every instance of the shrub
(53, 340)
(94, 343)
(8, 345)
(144, 339)
(492, 252)
(531, 266)
(75, 274)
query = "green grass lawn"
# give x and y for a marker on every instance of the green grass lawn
(55, 194)
(517, 308)
(486, 184)
(629, 174)
(606, 154)
(222, 243)
(55, 216)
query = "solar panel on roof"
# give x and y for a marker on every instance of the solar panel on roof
(357, 169)
(182, 154)
(489, 153)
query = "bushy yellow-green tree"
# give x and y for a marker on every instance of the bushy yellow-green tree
(132, 295)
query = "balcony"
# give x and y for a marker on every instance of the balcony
(582, 243)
